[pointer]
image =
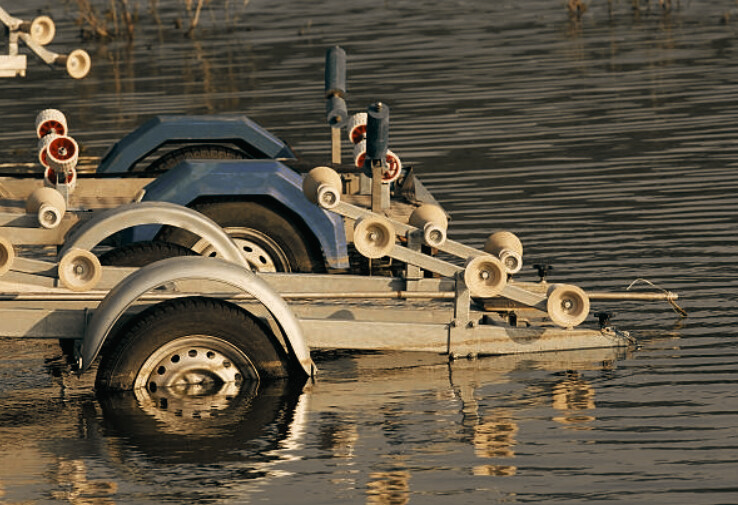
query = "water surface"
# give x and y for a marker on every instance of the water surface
(607, 144)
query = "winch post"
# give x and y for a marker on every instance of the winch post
(377, 140)
(335, 92)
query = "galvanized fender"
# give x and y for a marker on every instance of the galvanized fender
(120, 298)
(108, 222)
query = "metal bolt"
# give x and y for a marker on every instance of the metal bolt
(567, 304)
(484, 274)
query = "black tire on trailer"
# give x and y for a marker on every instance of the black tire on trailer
(270, 242)
(195, 345)
(139, 254)
(136, 254)
(193, 152)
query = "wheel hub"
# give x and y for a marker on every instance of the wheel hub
(261, 252)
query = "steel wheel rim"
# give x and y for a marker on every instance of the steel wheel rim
(261, 252)
(195, 366)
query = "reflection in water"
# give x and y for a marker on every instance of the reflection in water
(76, 488)
(390, 486)
(572, 396)
(243, 428)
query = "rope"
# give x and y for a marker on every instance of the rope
(670, 297)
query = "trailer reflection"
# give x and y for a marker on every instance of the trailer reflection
(348, 423)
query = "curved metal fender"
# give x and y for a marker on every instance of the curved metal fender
(162, 130)
(120, 298)
(106, 223)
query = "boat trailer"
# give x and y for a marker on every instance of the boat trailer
(202, 324)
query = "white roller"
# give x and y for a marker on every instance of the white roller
(42, 30)
(432, 220)
(323, 185)
(485, 276)
(392, 170)
(51, 121)
(79, 270)
(357, 127)
(43, 144)
(7, 255)
(78, 64)
(506, 246)
(62, 153)
(374, 236)
(567, 305)
(49, 204)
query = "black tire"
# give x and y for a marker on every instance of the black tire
(142, 350)
(139, 254)
(196, 152)
(279, 244)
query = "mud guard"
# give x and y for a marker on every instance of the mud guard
(191, 180)
(130, 289)
(162, 130)
(109, 222)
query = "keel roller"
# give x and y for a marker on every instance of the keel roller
(43, 145)
(390, 173)
(51, 180)
(357, 127)
(431, 219)
(485, 276)
(79, 270)
(322, 185)
(49, 205)
(7, 255)
(567, 305)
(508, 248)
(374, 237)
(51, 121)
(62, 153)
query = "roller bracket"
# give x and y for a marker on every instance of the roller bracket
(603, 317)
(543, 270)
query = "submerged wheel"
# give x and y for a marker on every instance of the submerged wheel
(270, 243)
(201, 152)
(191, 347)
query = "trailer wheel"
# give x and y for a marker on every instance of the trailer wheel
(269, 242)
(139, 254)
(194, 347)
(197, 152)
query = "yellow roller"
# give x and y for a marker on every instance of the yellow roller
(374, 237)
(432, 221)
(79, 270)
(7, 255)
(42, 30)
(78, 64)
(567, 305)
(322, 185)
(49, 204)
(485, 276)
(508, 248)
